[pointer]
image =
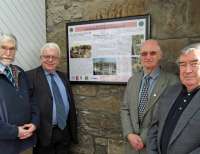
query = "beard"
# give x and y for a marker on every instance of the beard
(6, 61)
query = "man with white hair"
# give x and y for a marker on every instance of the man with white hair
(19, 116)
(54, 97)
(175, 127)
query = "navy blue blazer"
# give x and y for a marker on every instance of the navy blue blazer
(16, 109)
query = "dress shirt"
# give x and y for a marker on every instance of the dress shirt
(62, 92)
(3, 67)
(154, 76)
(2, 71)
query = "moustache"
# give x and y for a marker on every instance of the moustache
(7, 58)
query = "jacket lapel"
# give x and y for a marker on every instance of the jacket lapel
(138, 79)
(156, 92)
(190, 110)
(42, 80)
(167, 104)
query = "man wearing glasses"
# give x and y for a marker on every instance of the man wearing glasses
(175, 127)
(19, 116)
(57, 110)
(141, 96)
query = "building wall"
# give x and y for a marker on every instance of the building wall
(173, 23)
(26, 19)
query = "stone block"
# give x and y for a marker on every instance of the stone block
(169, 18)
(193, 18)
(99, 149)
(85, 90)
(115, 147)
(107, 104)
(84, 146)
(100, 124)
(101, 141)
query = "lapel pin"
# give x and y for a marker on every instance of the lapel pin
(154, 95)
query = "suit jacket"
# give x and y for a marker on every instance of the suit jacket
(185, 138)
(129, 107)
(16, 109)
(42, 92)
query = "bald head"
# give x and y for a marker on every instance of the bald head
(151, 44)
(150, 55)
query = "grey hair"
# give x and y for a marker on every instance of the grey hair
(8, 37)
(189, 48)
(50, 45)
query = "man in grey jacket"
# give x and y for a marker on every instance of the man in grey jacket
(175, 127)
(141, 97)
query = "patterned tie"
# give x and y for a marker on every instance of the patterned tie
(143, 97)
(60, 110)
(9, 75)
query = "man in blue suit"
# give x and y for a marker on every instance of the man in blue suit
(18, 112)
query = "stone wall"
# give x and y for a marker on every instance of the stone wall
(174, 22)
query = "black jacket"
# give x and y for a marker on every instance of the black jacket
(41, 91)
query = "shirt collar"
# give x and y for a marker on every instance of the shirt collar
(154, 74)
(47, 73)
(184, 90)
(2, 68)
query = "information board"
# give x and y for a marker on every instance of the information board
(105, 51)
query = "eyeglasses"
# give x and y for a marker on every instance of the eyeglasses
(47, 57)
(151, 53)
(193, 64)
(5, 48)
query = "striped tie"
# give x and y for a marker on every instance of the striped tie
(61, 116)
(9, 75)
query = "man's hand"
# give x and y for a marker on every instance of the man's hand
(135, 141)
(29, 127)
(26, 131)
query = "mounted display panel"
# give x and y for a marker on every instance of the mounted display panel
(105, 51)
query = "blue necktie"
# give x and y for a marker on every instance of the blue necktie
(9, 75)
(60, 110)
(144, 97)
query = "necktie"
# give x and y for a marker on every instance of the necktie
(143, 97)
(60, 110)
(9, 75)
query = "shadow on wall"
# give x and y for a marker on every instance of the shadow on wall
(170, 67)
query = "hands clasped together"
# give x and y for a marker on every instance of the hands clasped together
(135, 141)
(26, 131)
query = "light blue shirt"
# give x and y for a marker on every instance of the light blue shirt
(154, 77)
(63, 93)
(3, 67)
